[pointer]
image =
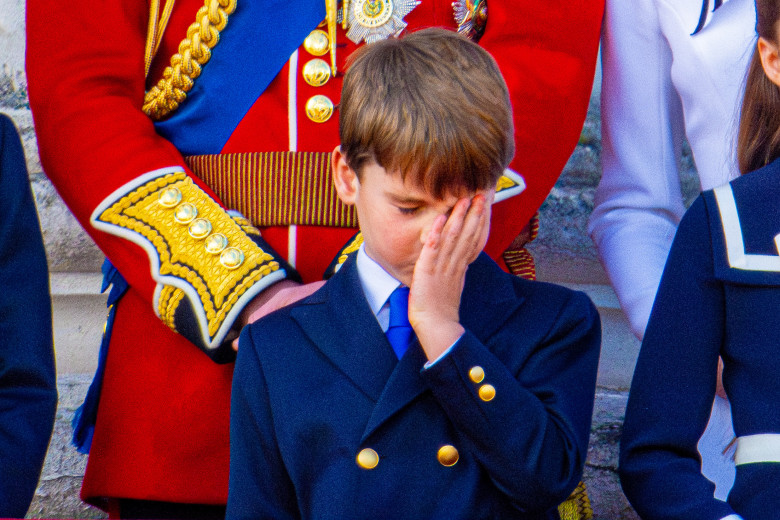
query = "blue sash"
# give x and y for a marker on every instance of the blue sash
(258, 40)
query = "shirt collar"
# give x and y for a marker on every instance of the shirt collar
(377, 283)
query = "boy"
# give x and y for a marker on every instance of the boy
(479, 405)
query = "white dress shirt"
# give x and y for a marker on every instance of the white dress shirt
(378, 285)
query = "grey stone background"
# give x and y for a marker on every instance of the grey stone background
(563, 251)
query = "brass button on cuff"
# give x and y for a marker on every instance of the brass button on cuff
(487, 392)
(476, 374)
(367, 458)
(316, 72)
(319, 108)
(447, 455)
(185, 213)
(231, 258)
(170, 197)
(317, 43)
(200, 228)
(216, 243)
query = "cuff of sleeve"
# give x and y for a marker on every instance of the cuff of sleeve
(428, 364)
(207, 264)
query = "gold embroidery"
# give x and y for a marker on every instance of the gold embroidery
(194, 53)
(504, 183)
(186, 258)
(170, 298)
(351, 248)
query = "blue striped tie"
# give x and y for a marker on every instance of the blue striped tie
(400, 332)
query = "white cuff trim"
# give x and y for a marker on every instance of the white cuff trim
(762, 447)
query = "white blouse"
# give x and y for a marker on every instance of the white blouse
(661, 84)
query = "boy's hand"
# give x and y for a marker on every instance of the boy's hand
(440, 272)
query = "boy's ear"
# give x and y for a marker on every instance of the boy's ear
(344, 177)
(770, 59)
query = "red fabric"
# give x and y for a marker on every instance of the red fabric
(162, 430)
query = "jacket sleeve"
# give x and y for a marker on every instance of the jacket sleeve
(638, 201)
(164, 230)
(255, 494)
(547, 53)
(528, 425)
(28, 392)
(674, 384)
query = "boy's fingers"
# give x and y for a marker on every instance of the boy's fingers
(452, 232)
(430, 250)
(469, 237)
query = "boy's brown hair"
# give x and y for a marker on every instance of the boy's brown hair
(432, 105)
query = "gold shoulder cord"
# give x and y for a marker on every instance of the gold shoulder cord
(155, 30)
(194, 52)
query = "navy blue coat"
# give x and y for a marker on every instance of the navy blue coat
(28, 392)
(318, 382)
(719, 295)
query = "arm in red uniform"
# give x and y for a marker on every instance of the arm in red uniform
(165, 231)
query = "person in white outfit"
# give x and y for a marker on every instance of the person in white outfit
(671, 70)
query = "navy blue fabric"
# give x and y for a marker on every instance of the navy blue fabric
(28, 391)
(317, 382)
(705, 308)
(399, 333)
(86, 415)
(217, 102)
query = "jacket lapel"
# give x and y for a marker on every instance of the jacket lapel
(403, 386)
(488, 300)
(340, 323)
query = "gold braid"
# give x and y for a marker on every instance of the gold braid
(194, 52)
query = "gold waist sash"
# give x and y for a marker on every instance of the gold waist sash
(286, 188)
(276, 188)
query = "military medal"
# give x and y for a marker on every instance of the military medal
(373, 20)
(471, 17)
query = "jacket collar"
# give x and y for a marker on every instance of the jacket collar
(338, 320)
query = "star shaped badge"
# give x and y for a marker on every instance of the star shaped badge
(373, 20)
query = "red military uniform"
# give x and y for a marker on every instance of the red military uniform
(162, 429)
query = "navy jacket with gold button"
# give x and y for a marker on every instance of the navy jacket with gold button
(327, 423)
(719, 296)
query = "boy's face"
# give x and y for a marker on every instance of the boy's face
(395, 216)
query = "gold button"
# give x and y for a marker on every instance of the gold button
(170, 197)
(316, 72)
(476, 374)
(367, 458)
(185, 213)
(487, 392)
(231, 258)
(448, 455)
(317, 43)
(200, 228)
(319, 108)
(216, 243)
